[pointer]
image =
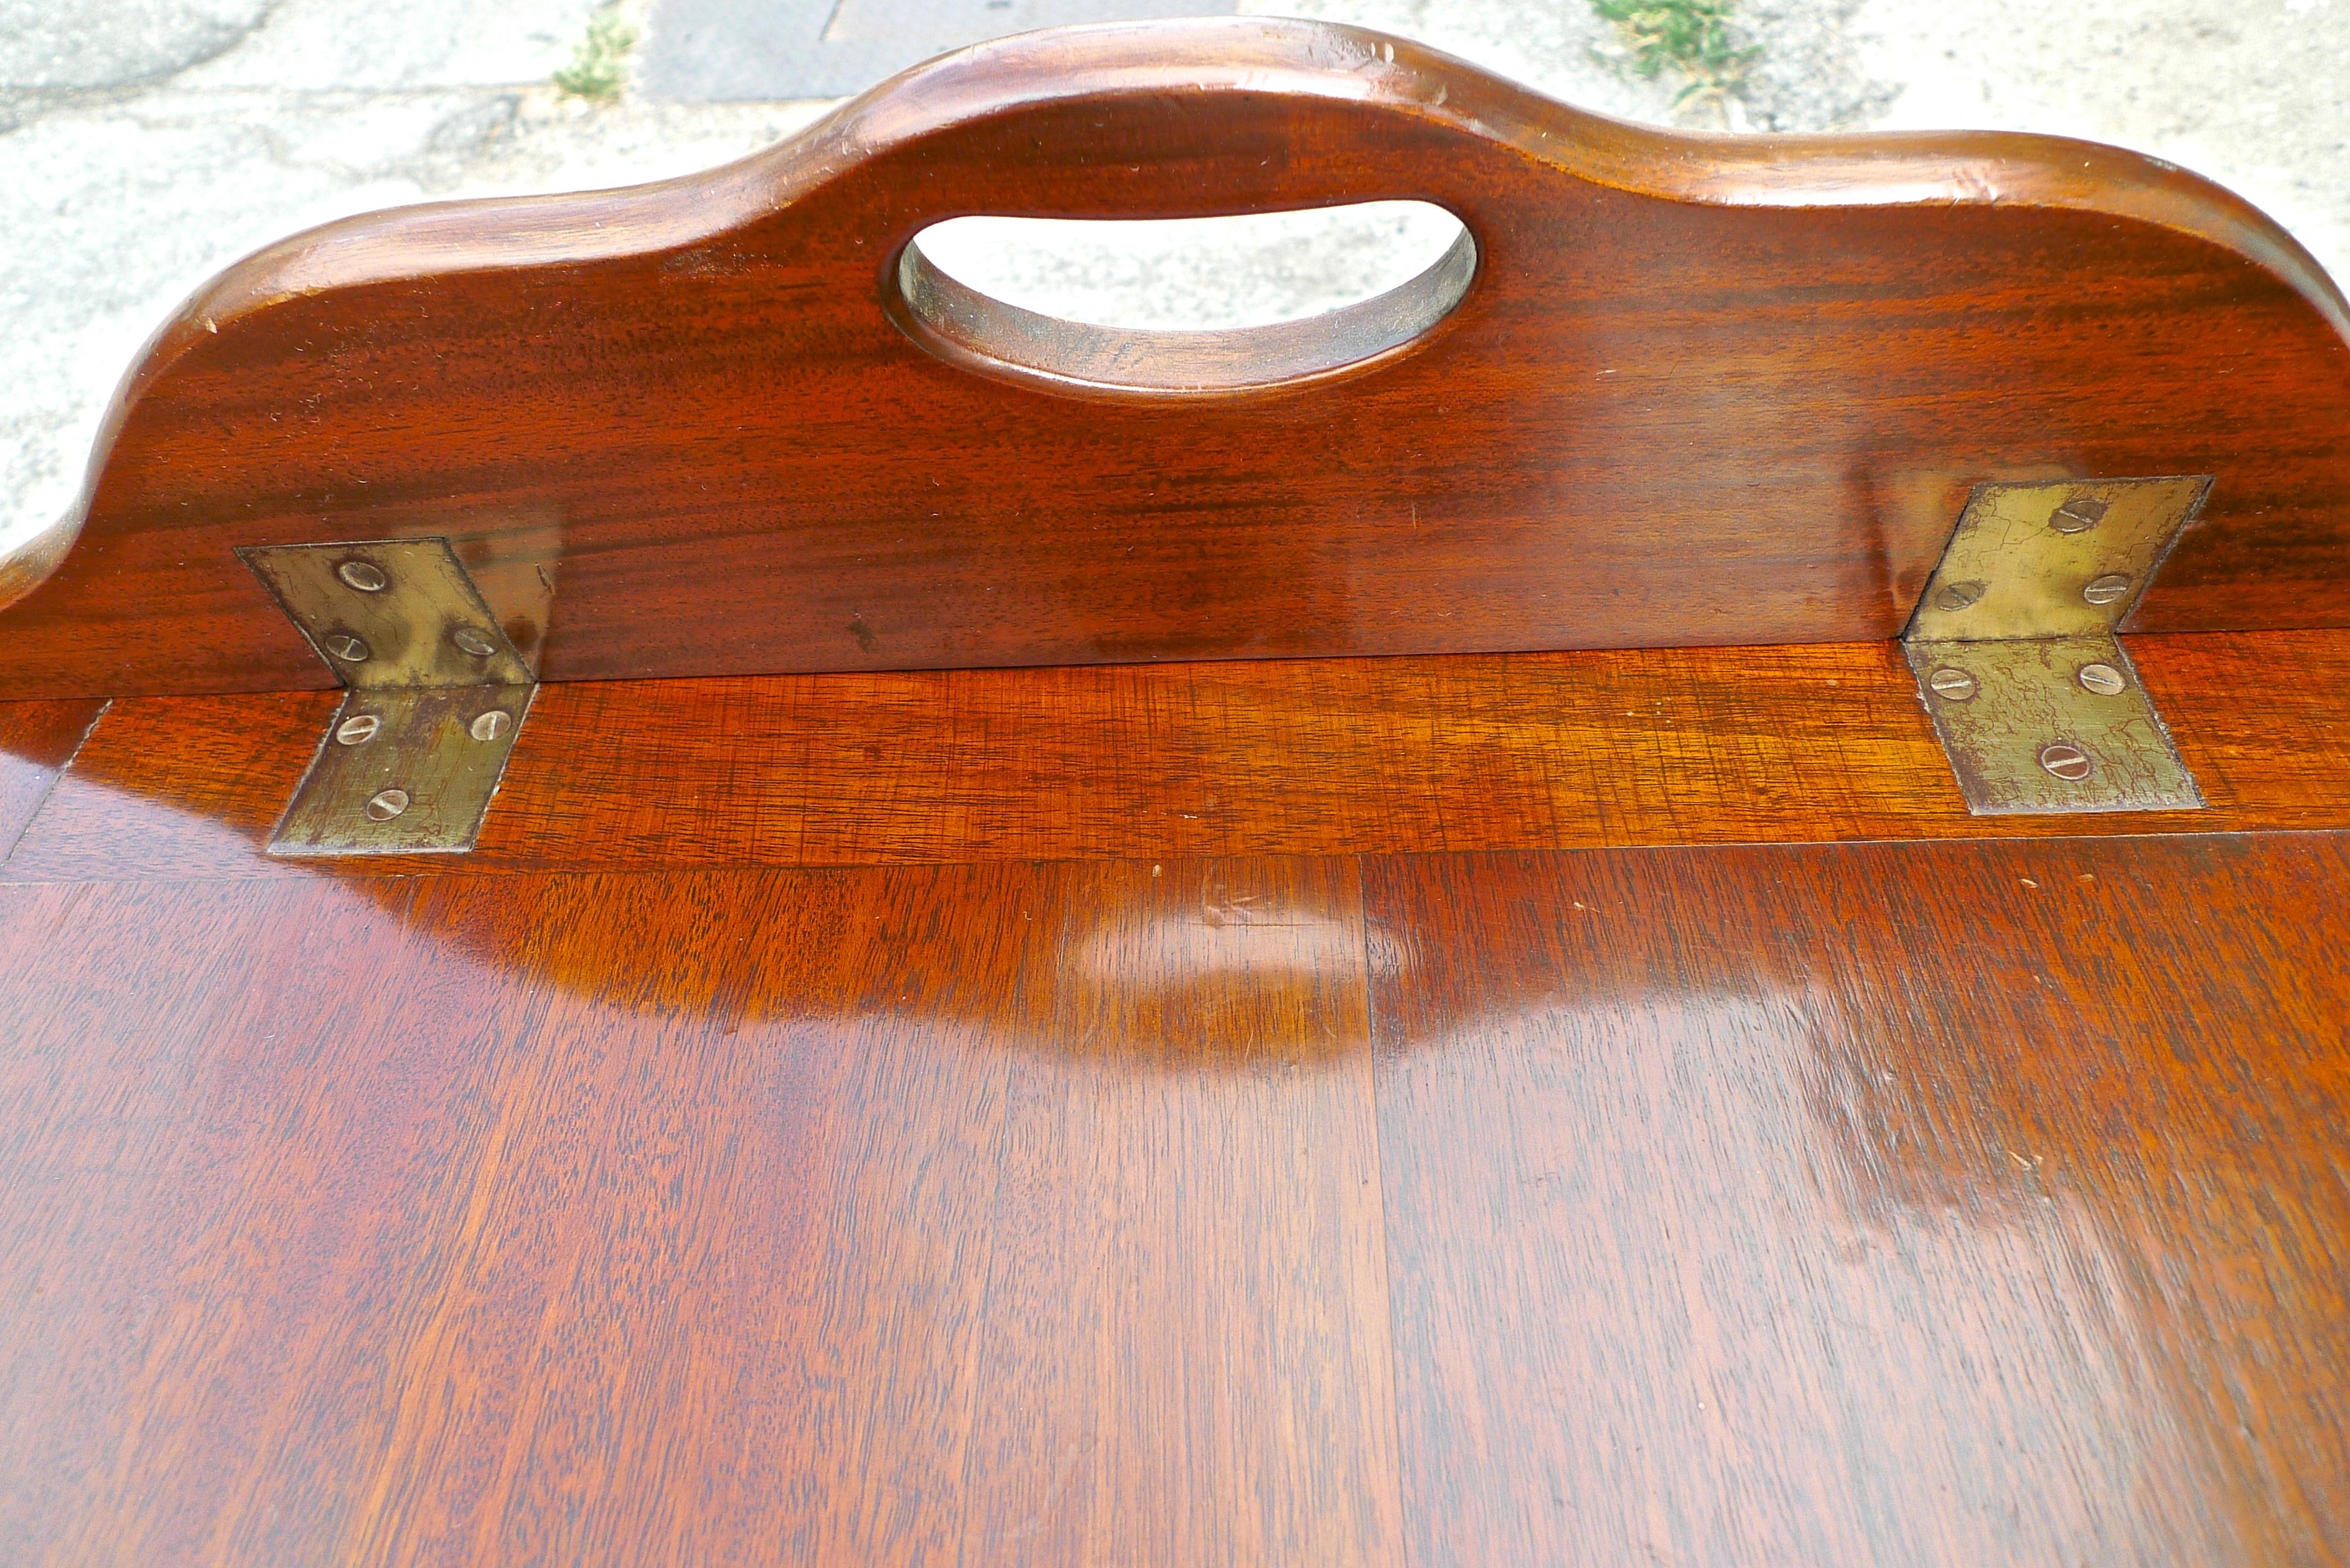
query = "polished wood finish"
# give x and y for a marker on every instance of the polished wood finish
(1951, 1203)
(1889, 1204)
(1701, 391)
(1337, 756)
(1443, 1109)
(37, 739)
(828, 1216)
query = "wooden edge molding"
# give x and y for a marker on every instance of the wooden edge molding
(1703, 390)
(37, 741)
(1642, 747)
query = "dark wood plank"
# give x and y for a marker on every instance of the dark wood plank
(1908, 1204)
(37, 740)
(812, 1217)
(1325, 757)
(1700, 392)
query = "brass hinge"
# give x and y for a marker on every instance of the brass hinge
(2013, 642)
(437, 695)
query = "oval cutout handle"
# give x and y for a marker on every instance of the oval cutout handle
(967, 327)
(1182, 120)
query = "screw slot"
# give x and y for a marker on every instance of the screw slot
(358, 730)
(365, 575)
(2105, 590)
(2078, 515)
(468, 641)
(346, 646)
(1957, 596)
(491, 725)
(2067, 761)
(1951, 684)
(387, 804)
(2102, 679)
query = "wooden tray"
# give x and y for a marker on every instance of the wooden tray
(1015, 1051)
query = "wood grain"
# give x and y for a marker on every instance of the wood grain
(879, 1101)
(1701, 391)
(990, 337)
(1325, 757)
(1911, 1204)
(1891, 1204)
(37, 740)
(707, 1217)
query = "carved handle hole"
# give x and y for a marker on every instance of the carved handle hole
(1182, 304)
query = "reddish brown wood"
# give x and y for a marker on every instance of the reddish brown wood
(1889, 1204)
(937, 1155)
(182, 785)
(1337, 756)
(804, 1217)
(1702, 391)
(1903, 1204)
(36, 740)
(992, 337)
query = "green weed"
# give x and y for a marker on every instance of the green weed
(596, 71)
(1692, 37)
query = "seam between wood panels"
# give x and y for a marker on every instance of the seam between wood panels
(95, 876)
(8, 852)
(1404, 1553)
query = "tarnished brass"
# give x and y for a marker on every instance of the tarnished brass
(438, 694)
(2013, 647)
(424, 625)
(426, 745)
(2022, 563)
(2027, 696)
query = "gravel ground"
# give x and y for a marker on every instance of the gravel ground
(146, 143)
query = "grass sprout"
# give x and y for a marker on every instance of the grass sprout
(597, 67)
(1691, 37)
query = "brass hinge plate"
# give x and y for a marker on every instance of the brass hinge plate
(404, 772)
(438, 694)
(2046, 724)
(2012, 643)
